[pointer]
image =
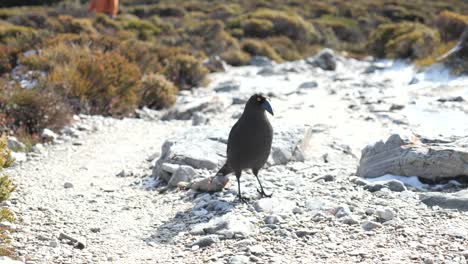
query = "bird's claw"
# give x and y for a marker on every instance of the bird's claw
(243, 199)
(263, 194)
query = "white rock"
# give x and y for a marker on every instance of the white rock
(401, 156)
(272, 219)
(206, 241)
(15, 144)
(49, 135)
(227, 86)
(385, 214)
(38, 148)
(370, 225)
(274, 205)
(19, 156)
(325, 59)
(183, 174)
(7, 260)
(308, 85)
(239, 259)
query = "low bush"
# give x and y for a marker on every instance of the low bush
(259, 28)
(284, 47)
(157, 92)
(259, 48)
(403, 40)
(451, 25)
(34, 110)
(98, 83)
(235, 57)
(185, 71)
(290, 25)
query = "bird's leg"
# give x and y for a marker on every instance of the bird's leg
(261, 191)
(239, 195)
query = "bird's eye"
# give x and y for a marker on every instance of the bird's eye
(259, 99)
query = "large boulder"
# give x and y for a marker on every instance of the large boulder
(433, 160)
(185, 110)
(202, 148)
(458, 200)
(325, 59)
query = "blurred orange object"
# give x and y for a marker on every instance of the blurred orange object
(110, 7)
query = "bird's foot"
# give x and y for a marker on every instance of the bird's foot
(243, 199)
(263, 194)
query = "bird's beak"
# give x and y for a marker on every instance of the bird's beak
(450, 52)
(266, 105)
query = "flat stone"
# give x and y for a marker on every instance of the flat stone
(206, 241)
(185, 110)
(370, 225)
(239, 259)
(14, 144)
(385, 214)
(308, 85)
(274, 205)
(407, 157)
(227, 86)
(458, 200)
(324, 59)
(183, 174)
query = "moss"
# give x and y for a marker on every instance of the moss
(157, 92)
(345, 29)
(403, 40)
(259, 48)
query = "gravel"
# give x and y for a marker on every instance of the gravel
(97, 202)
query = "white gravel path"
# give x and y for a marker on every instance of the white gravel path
(118, 220)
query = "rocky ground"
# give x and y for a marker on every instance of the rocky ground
(91, 197)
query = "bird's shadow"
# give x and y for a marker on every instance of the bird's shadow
(206, 206)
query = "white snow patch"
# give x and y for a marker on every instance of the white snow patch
(411, 181)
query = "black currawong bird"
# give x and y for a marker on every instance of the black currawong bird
(249, 142)
(461, 45)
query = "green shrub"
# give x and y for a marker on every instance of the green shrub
(9, 31)
(345, 29)
(235, 57)
(258, 28)
(98, 83)
(211, 37)
(5, 156)
(75, 25)
(36, 109)
(6, 188)
(403, 40)
(290, 25)
(259, 48)
(185, 71)
(157, 92)
(144, 29)
(451, 25)
(284, 47)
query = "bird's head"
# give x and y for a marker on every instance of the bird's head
(259, 102)
(461, 45)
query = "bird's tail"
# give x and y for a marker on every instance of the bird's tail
(225, 170)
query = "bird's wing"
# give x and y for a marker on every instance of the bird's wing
(230, 138)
